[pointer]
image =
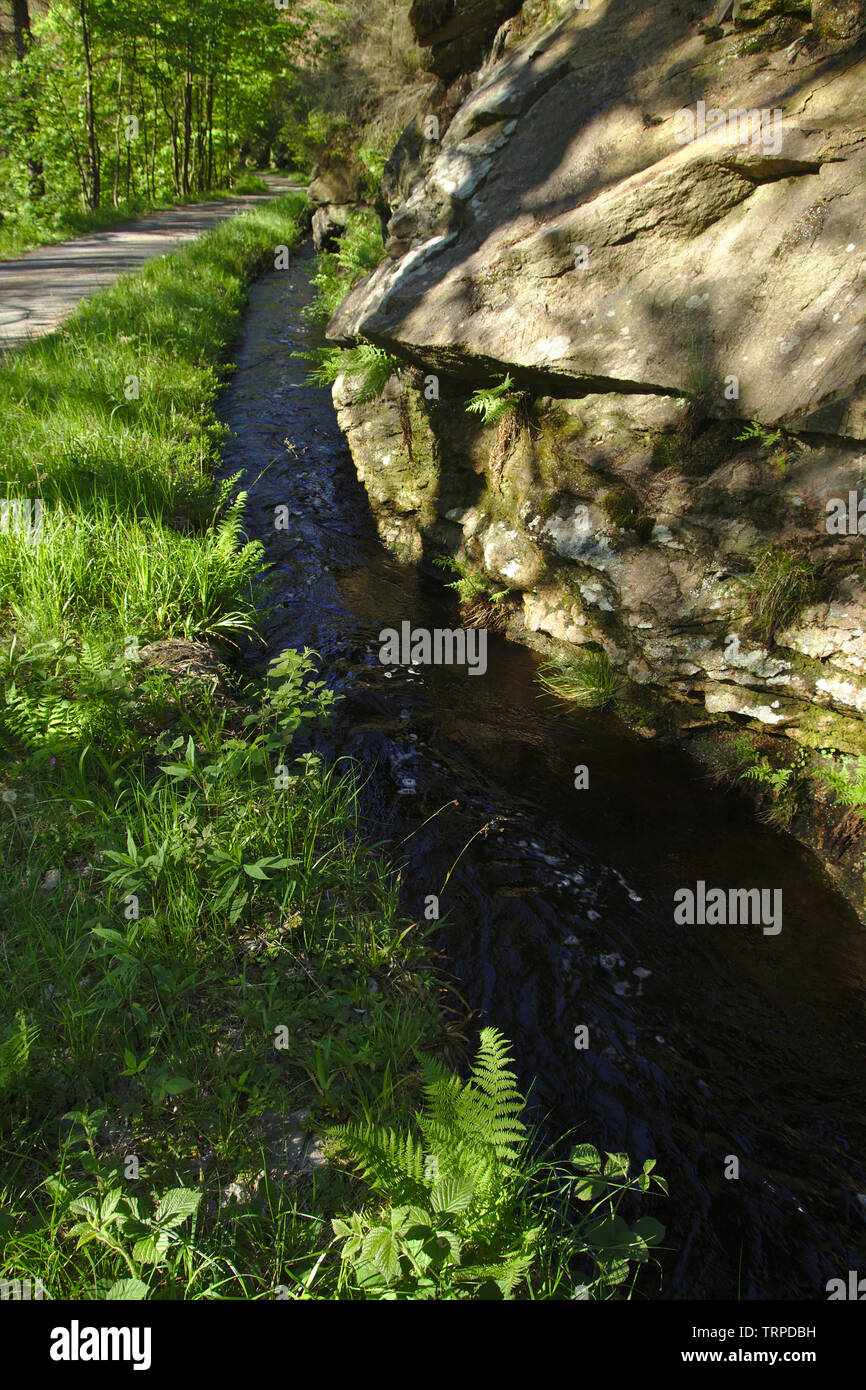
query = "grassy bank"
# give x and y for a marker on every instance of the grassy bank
(202, 963)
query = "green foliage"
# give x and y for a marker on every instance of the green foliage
(493, 402)
(94, 110)
(247, 184)
(178, 877)
(461, 1207)
(374, 158)
(782, 583)
(359, 253)
(587, 679)
(471, 586)
(15, 1051)
(150, 1246)
(767, 439)
(372, 365)
(849, 783)
(451, 1218)
(784, 785)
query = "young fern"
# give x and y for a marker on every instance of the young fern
(849, 784)
(461, 1209)
(372, 364)
(492, 402)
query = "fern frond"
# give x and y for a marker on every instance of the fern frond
(389, 1162)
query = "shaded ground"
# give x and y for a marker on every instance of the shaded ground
(42, 288)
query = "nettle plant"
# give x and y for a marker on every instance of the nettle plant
(148, 1246)
(462, 1208)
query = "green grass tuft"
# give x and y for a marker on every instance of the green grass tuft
(587, 679)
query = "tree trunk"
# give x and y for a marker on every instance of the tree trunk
(210, 130)
(187, 122)
(117, 135)
(94, 188)
(23, 40)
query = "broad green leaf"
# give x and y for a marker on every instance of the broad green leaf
(649, 1229)
(611, 1233)
(110, 1202)
(85, 1206)
(586, 1156)
(176, 1205)
(150, 1250)
(127, 1290)
(383, 1248)
(617, 1165)
(255, 871)
(176, 1085)
(587, 1189)
(451, 1194)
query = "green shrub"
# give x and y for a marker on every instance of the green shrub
(849, 783)
(360, 251)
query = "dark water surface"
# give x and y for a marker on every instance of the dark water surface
(728, 1042)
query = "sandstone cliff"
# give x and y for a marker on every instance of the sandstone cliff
(652, 218)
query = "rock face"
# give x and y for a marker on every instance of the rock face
(457, 32)
(567, 229)
(341, 182)
(328, 225)
(839, 19)
(661, 240)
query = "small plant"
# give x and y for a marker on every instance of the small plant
(480, 605)
(588, 679)
(785, 786)
(149, 1246)
(767, 439)
(247, 184)
(372, 364)
(780, 586)
(493, 402)
(374, 160)
(15, 1052)
(473, 589)
(360, 251)
(849, 783)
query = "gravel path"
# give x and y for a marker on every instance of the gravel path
(42, 288)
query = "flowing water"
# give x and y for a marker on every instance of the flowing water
(704, 1041)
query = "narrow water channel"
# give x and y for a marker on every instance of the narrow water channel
(705, 1041)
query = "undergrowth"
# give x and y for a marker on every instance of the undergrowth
(202, 962)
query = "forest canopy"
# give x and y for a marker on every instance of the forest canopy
(108, 104)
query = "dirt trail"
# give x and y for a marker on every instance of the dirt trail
(42, 288)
